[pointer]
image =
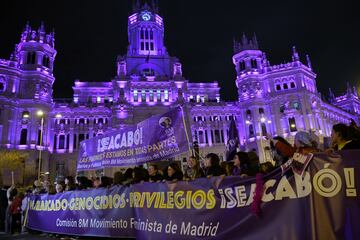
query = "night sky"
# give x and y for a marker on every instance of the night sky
(90, 34)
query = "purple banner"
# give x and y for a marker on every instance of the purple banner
(323, 204)
(159, 137)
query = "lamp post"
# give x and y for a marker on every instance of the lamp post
(40, 113)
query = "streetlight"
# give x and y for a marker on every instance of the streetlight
(40, 113)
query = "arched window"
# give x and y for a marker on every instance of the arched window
(40, 136)
(278, 87)
(263, 129)
(251, 131)
(62, 141)
(67, 141)
(74, 143)
(292, 124)
(261, 111)
(23, 136)
(30, 58)
(55, 141)
(292, 85)
(46, 61)
(285, 86)
(253, 63)
(242, 65)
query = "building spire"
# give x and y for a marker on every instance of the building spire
(355, 91)
(308, 61)
(348, 88)
(255, 42)
(295, 55)
(331, 95)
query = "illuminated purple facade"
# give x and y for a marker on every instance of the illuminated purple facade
(273, 99)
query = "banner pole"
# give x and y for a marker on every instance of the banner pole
(186, 127)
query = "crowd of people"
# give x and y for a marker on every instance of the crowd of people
(13, 203)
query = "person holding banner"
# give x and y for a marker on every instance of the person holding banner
(154, 175)
(212, 165)
(174, 172)
(193, 169)
(241, 164)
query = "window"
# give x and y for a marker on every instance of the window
(263, 129)
(55, 141)
(166, 95)
(151, 35)
(23, 136)
(146, 46)
(159, 95)
(285, 86)
(143, 96)
(292, 124)
(46, 61)
(146, 34)
(40, 136)
(251, 131)
(67, 141)
(74, 143)
(142, 34)
(242, 65)
(135, 95)
(151, 93)
(31, 57)
(142, 45)
(81, 137)
(217, 136)
(62, 141)
(296, 105)
(201, 137)
(152, 46)
(278, 87)
(282, 108)
(253, 63)
(261, 111)
(292, 85)
(2, 87)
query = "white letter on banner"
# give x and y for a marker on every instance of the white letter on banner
(267, 197)
(117, 138)
(123, 140)
(130, 138)
(284, 189)
(329, 190)
(303, 185)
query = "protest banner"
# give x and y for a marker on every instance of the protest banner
(321, 204)
(156, 138)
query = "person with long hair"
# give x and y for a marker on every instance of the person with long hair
(174, 172)
(193, 169)
(212, 165)
(241, 164)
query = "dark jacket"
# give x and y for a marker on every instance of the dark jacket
(176, 176)
(214, 171)
(354, 144)
(157, 177)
